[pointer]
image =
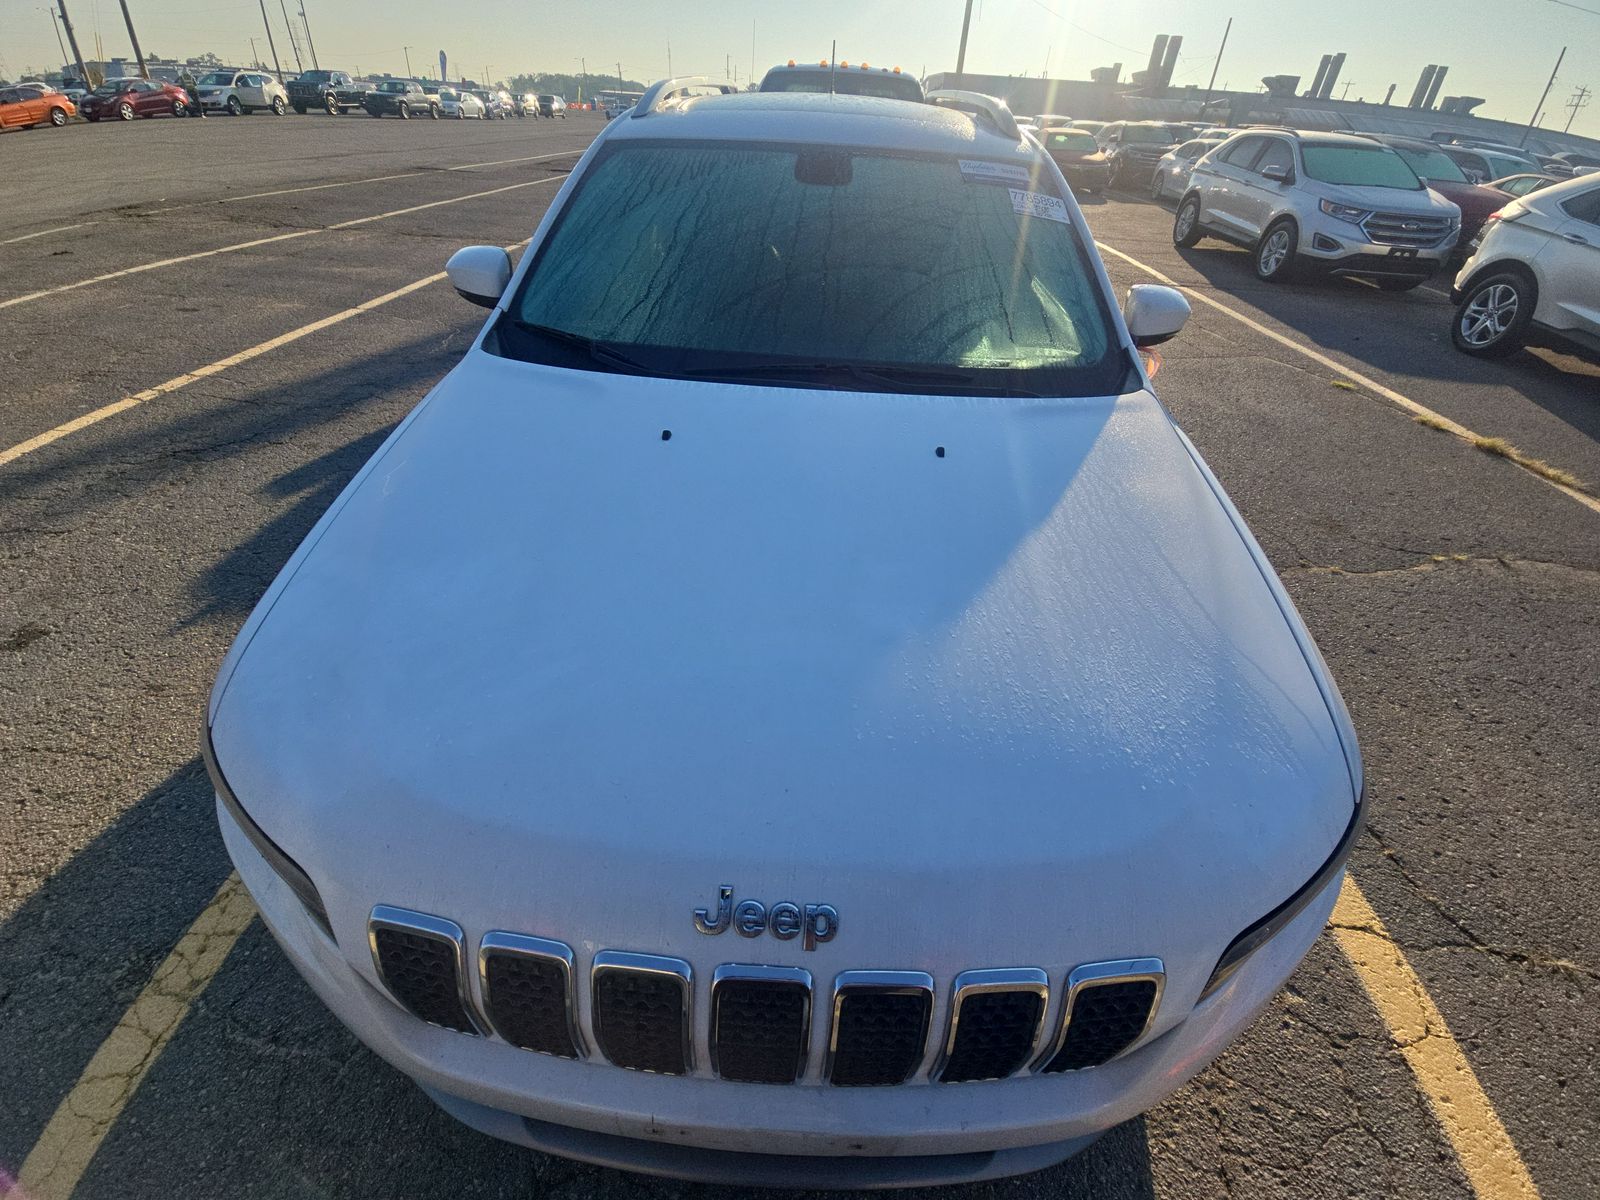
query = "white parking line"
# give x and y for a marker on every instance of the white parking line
(278, 237)
(320, 187)
(44, 232)
(1437, 420)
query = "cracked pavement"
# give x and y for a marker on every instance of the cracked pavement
(1456, 598)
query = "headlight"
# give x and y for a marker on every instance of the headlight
(282, 865)
(1263, 931)
(1344, 212)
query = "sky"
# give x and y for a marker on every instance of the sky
(1502, 50)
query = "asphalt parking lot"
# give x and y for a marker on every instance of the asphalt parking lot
(209, 326)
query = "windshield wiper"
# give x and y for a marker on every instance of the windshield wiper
(906, 379)
(599, 351)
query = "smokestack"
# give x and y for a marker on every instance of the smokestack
(1334, 68)
(1169, 62)
(1433, 88)
(1322, 73)
(1152, 72)
(1421, 90)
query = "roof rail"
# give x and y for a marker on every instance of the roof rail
(992, 108)
(658, 94)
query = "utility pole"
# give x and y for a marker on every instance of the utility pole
(669, 58)
(752, 47)
(1580, 99)
(271, 45)
(407, 50)
(293, 44)
(310, 45)
(144, 71)
(1215, 66)
(55, 24)
(255, 55)
(1348, 84)
(72, 40)
(961, 55)
(620, 84)
(1539, 106)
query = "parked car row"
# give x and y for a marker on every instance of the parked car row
(237, 93)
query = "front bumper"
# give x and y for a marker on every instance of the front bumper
(1342, 248)
(523, 1096)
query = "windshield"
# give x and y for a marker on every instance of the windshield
(218, 78)
(1153, 135)
(846, 81)
(1359, 166)
(1431, 164)
(447, 93)
(714, 260)
(1075, 140)
(392, 85)
(316, 76)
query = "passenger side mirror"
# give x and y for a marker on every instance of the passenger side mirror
(480, 273)
(1277, 173)
(1154, 314)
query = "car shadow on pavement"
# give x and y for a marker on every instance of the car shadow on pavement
(1407, 335)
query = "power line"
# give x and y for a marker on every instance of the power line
(1084, 29)
(1593, 12)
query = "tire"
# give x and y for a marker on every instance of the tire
(1186, 228)
(1399, 285)
(278, 106)
(404, 111)
(180, 109)
(58, 117)
(484, 115)
(1275, 258)
(125, 111)
(234, 107)
(461, 114)
(1494, 314)
(1158, 186)
(433, 112)
(332, 105)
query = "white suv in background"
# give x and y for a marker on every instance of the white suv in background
(236, 92)
(1344, 205)
(1535, 274)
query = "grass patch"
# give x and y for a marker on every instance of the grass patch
(1501, 448)
(1431, 421)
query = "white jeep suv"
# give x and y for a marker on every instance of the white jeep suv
(1339, 204)
(1534, 275)
(790, 706)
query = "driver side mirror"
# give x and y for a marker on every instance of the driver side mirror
(1154, 314)
(480, 273)
(1277, 173)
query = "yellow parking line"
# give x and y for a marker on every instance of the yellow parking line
(279, 237)
(1436, 420)
(1487, 1155)
(82, 1120)
(222, 364)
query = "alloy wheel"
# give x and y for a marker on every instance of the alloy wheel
(1489, 315)
(1273, 251)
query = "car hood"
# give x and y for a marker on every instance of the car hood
(545, 667)
(1424, 203)
(1474, 200)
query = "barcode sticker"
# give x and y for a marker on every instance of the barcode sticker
(1039, 204)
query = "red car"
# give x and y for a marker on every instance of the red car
(126, 99)
(1440, 172)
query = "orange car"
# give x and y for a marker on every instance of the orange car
(29, 104)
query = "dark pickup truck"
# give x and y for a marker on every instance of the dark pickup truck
(332, 91)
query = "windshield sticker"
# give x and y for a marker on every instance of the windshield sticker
(1039, 204)
(992, 172)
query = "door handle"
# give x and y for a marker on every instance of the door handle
(1577, 239)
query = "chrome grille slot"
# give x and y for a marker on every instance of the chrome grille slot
(760, 1023)
(995, 1019)
(1401, 229)
(527, 993)
(641, 1011)
(879, 1028)
(1109, 1007)
(420, 959)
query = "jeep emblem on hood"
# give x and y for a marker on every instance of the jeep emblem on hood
(784, 920)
